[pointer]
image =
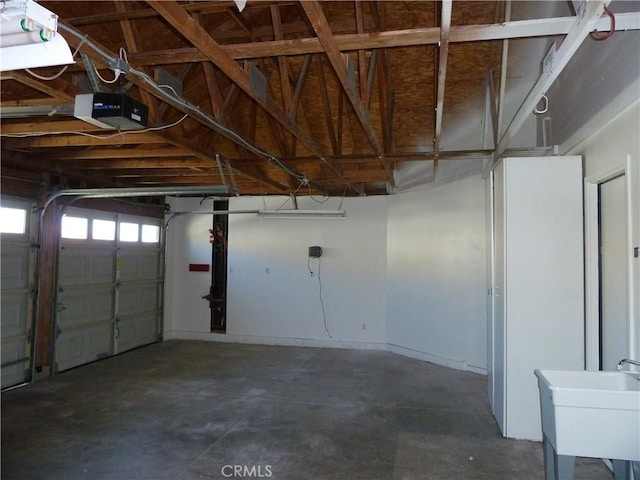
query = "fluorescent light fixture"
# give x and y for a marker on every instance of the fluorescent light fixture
(29, 38)
(326, 214)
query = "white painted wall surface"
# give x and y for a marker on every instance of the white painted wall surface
(436, 287)
(613, 149)
(272, 298)
(188, 242)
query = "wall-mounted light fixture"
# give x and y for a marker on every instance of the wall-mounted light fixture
(325, 214)
(29, 38)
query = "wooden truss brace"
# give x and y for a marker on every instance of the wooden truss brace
(184, 23)
(314, 13)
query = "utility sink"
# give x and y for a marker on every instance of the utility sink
(589, 414)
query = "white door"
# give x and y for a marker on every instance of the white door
(109, 284)
(16, 293)
(614, 318)
(139, 293)
(85, 307)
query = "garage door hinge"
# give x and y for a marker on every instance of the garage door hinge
(636, 252)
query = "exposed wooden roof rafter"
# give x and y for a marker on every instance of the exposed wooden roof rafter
(315, 15)
(173, 13)
(445, 24)
(544, 27)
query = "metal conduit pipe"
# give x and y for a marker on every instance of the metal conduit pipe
(97, 193)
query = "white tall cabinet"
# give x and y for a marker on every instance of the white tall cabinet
(536, 306)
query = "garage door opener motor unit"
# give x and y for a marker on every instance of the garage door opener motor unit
(111, 110)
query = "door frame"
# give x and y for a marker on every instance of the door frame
(592, 264)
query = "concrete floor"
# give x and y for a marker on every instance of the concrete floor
(194, 410)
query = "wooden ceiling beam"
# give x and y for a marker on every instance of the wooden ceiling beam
(326, 104)
(61, 141)
(31, 102)
(385, 90)
(216, 99)
(169, 135)
(131, 41)
(283, 72)
(202, 7)
(173, 13)
(545, 27)
(160, 173)
(362, 77)
(58, 88)
(445, 24)
(314, 13)
(283, 63)
(302, 76)
(118, 153)
(49, 126)
(131, 163)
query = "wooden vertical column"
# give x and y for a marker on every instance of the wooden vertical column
(45, 337)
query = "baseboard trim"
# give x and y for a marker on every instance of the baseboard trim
(437, 359)
(263, 340)
(310, 342)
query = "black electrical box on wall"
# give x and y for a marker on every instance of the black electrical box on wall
(315, 252)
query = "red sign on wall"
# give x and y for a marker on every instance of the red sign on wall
(198, 267)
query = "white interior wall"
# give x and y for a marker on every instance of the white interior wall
(271, 296)
(436, 303)
(406, 270)
(613, 149)
(187, 242)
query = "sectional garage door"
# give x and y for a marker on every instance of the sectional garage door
(109, 286)
(17, 290)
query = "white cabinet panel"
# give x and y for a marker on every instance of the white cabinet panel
(539, 283)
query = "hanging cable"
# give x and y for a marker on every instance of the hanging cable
(315, 199)
(115, 79)
(324, 314)
(62, 70)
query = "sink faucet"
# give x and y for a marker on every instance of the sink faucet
(627, 360)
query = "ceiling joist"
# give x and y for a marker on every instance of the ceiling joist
(316, 17)
(188, 27)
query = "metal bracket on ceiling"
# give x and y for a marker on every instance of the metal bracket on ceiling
(232, 178)
(234, 187)
(220, 170)
(89, 66)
